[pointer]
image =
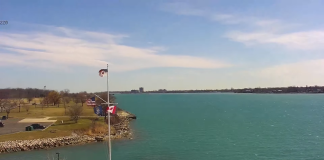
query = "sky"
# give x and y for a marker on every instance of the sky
(161, 44)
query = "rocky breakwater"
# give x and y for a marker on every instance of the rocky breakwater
(123, 130)
(27, 145)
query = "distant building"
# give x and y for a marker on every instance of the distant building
(162, 90)
(134, 91)
(141, 90)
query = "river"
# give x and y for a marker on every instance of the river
(208, 127)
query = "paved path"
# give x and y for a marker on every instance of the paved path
(12, 125)
(37, 120)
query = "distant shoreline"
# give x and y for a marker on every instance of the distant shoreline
(212, 92)
(258, 90)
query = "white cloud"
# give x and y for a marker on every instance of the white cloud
(254, 30)
(186, 9)
(308, 40)
(301, 73)
(63, 47)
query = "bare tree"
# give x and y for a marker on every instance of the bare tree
(30, 99)
(2, 102)
(82, 96)
(75, 112)
(66, 101)
(65, 98)
(45, 101)
(19, 103)
(42, 103)
(4, 95)
(75, 98)
(8, 106)
(35, 102)
(29, 94)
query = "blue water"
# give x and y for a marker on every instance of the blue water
(211, 126)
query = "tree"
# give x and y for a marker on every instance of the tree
(82, 96)
(66, 101)
(29, 94)
(2, 103)
(75, 112)
(65, 98)
(112, 98)
(75, 98)
(19, 103)
(45, 101)
(30, 99)
(4, 95)
(8, 106)
(54, 97)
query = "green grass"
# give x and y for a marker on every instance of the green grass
(56, 113)
(33, 135)
(71, 125)
(51, 111)
(60, 129)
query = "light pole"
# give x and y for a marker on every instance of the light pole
(58, 156)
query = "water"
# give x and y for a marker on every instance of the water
(209, 127)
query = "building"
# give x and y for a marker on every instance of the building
(134, 91)
(162, 90)
(141, 90)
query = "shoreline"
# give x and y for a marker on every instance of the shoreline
(219, 93)
(123, 131)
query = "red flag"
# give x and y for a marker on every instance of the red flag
(111, 109)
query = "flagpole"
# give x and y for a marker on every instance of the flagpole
(108, 114)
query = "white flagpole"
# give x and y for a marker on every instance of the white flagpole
(108, 114)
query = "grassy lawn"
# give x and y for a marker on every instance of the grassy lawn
(33, 135)
(50, 111)
(56, 113)
(64, 129)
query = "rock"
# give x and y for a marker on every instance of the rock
(99, 139)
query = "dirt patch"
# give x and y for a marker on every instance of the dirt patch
(37, 120)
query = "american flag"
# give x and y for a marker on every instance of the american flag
(91, 101)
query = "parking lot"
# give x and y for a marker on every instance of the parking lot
(13, 125)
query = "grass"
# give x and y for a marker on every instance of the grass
(57, 113)
(84, 126)
(51, 111)
(33, 135)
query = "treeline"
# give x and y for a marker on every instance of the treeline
(181, 91)
(291, 89)
(23, 93)
(11, 98)
(52, 96)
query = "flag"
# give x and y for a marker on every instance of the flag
(98, 110)
(91, 101)
(111, 109)
(103, 72)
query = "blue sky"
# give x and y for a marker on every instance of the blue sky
(161, 44)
